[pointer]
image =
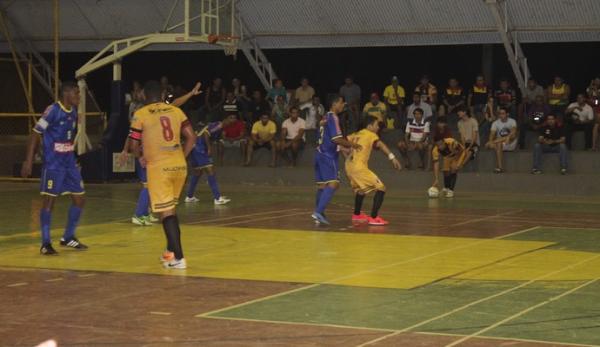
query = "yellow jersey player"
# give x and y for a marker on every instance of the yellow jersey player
(362, 179)
(455, 157)
(158, 127)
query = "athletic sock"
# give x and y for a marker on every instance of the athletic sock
(72, 221)
(214, 187)
(45, 218)
(192, 186)
(173, 234)
(377, 202)
(358, 201)
(142, 204)
(319, 193)
(325, 198)
(446, 181)
(453, 180)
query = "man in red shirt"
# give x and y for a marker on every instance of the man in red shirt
(234, 135)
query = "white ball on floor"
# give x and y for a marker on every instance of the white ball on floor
(433, 192)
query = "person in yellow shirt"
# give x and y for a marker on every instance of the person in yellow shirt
(158, 127)
(454, 155)
(394, 95)
(375, 108)
(262, 136)
(558, 94)
(362, 179)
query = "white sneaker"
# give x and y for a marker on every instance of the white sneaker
(445, 190)
(140, 221)
(152, 219)
(222, 201)
(176, 264)
(449, 193)
(191, 199)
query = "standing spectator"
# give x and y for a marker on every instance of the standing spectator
(279, 111)
(304, 93)
(231, 106)
(468, 130)
(534, 119)
(506, 97)
(551, 140)
(351, 93)
(477, 98)
(314, 112)
(262, 136)
(257, 107)
(530, 95)
(214, 99)
(394, 95)
(416, 137)
(503, 137)
(579, 117)
(375, 108)
(136, 97)
(418, 103)
(557, 95)
(165, 87)
(278, 89)
(453, 98)
(489, 116)
(593, 94)
(240, 92)
(292, 134)
(234, 135)
(428, 92)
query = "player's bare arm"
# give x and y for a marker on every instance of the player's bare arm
(184, 98)
(34, 140)
(436, 173)
(382, 147)
(345, 143)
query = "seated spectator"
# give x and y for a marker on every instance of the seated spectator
(241, 94)
(257, 107)
(279, 112)
(304, 93)
(468, 130)
(477, 98)
(278, 89)
(262, 136)
(292, 135)
(314, 112)
(503, 137)
(557, 95)
(234, 135)
(579, 116)
(505, 96)
(214, 99)
(393, 96)
(416, 138)
(534, 119)
(593, 94)
(376, 108)
(352, 95)
(428, 92)
(530, 96)
(418, 103)
(453, 98)
(165, 87)
(231, 106)
(551, 140)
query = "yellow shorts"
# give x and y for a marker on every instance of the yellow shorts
(363, 180)
(165, 183)
(456, 162)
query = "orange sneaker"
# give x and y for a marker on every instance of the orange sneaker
(167, 256)
(360, 218)
(377, 221)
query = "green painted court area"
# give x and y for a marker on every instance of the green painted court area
(481, 269)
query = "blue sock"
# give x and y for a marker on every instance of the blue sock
(142, 205)
(192, 186)
(45, 218)
(319, 193)
(72, 221)
(325, 198)
(214, 187)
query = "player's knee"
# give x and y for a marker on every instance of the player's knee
(78, 200)
(334, 185)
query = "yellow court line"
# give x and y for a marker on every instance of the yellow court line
(242, 216)
(356, 274)
(476, 302)
(527, 310)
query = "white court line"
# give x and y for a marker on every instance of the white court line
(20, 284)
(158, 313)
(527, 310)
(242, 216)
(86, 275)
(484, 218)
(509, 339)
(261, 219)
(358, 273)
(54, 279)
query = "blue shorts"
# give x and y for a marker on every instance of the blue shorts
(63, 181)
(141, 172)
(200, 160)
(326, 168)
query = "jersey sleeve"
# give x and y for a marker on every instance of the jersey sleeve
(46, 119)
(135, 132)
(427, 129)
(255, 128)
(333, 126)
(183, 119)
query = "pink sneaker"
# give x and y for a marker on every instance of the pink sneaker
(378, 221)
(360, 218)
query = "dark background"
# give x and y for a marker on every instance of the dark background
(371, 67)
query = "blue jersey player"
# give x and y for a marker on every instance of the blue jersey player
(201, 161)
(327, 158)
(60, 175)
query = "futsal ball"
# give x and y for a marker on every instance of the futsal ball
(212, 39)
(433, 192)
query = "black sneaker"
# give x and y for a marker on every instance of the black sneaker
(47, 249)
(73, 243)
